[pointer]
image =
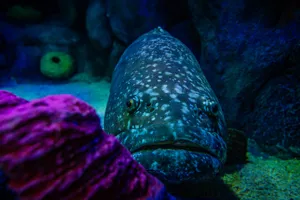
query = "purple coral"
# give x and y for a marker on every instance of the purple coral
(9, 100)
(54, 148)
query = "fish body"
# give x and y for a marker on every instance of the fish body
(163, 110)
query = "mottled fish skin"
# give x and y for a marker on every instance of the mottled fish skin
(162, 108)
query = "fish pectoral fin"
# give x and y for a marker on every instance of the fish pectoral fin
(237, 145)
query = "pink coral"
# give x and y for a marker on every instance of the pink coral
(54, 148)
(9, 100)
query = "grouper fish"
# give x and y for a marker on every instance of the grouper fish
(163, 110)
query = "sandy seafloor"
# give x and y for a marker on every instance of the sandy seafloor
(262, 178)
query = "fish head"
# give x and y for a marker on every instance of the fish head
(163, 110)
(176, 136)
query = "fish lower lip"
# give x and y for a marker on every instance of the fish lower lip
(175, 146)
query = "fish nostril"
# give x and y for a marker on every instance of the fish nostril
(150, 107)
(200, 112)
(197, 111)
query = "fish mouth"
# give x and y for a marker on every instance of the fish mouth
(177, 145)
(174, 137)
(175, 153)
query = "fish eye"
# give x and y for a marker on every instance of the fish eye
(132, 104)
(209, 107)
(129, 103)
(212, 108)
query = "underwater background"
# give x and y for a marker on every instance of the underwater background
(248, 50)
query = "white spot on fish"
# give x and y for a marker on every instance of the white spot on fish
(192, 100)
(164, 107)
(193, 95)
(128, 124)
(169, 55)
(151, 92)
(180, 123)
(153, 99)
(178, 89)
(165, 89)
(136, 92)
(173, 96)
(146, 115)
(185, 110)
(167, 118)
